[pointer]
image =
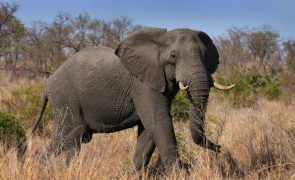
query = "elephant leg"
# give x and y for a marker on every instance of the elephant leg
(68, 130)
(165, 140)
(153, 109)
(144, 148)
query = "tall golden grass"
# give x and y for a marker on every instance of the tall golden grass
(257, 143)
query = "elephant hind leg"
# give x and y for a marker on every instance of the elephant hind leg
(68, 129)
(70, 146)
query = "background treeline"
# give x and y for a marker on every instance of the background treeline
(259, 62)
(42, 46)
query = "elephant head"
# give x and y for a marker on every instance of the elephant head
(182, 57)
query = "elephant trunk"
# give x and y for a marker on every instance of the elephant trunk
(198, 92)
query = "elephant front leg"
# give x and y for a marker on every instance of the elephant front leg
(144, 148)
(153, 109)
(166, 143)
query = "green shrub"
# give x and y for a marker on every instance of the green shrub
(180, 106)
(212, 119)
(273, 90)
(250, 86)
(25, 103)
(11, 131)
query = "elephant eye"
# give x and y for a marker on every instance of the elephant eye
(173, 55)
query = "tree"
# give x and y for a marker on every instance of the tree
(15, 44)
(44, 46)
(13, 34)
(6, 18)
(289, 48)
(77, 38)
(116, 30)
(233, 50)
(96, 34)
(263, 44)
(59, 31)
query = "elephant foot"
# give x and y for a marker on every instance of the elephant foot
(159, 169)
(212, 146)
(217, 148)
(87, 136)
(185, 166)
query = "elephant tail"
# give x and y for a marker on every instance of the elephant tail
(23, 145)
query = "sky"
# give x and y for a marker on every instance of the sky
(214, 17)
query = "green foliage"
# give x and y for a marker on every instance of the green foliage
(212, 119)
(273, 90)
(180, 136)
(180, 106)
(11, 131)
(25, 103)
(250, 86)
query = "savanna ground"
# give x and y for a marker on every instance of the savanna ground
(257, 143)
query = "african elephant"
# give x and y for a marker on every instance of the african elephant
(102, 90)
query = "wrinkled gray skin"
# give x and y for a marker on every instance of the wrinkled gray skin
(102, 90)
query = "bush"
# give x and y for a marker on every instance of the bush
(288, 93)
(180, 106)
(11, 131)
(250, 86)
(273, 91)
(25, 103)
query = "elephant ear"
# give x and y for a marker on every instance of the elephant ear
(209, 52)
(139, 53)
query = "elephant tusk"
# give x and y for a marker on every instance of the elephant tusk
(222, 87)
(182, 87)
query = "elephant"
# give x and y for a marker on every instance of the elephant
(104, 90)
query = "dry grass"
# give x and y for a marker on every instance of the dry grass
(258, 143)
(7, 83)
